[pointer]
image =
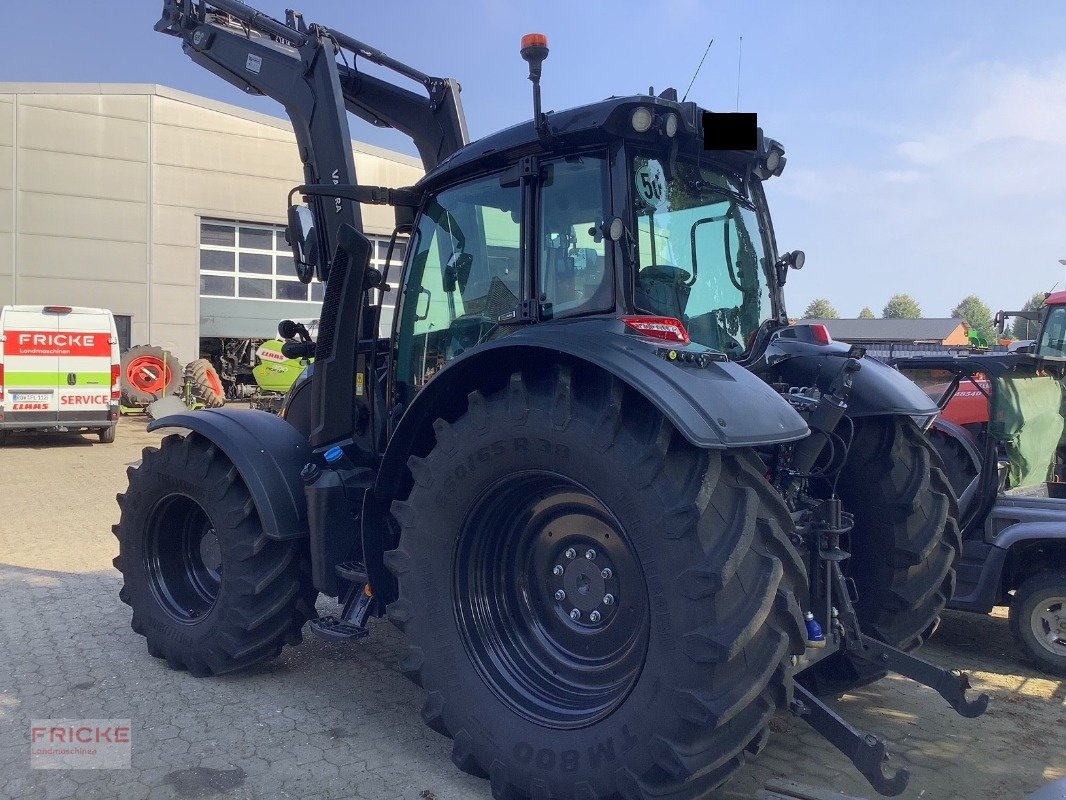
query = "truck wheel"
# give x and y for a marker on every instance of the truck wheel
(207, 386)
(209, 591)
(148, 373)
(593, 606)
(1038, 619)
(107, 435)
(903, 547)
(5, 437)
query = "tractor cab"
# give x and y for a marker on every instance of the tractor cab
(617, 211)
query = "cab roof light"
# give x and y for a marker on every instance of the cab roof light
(642, 119)
(821, 333)
(668, 329)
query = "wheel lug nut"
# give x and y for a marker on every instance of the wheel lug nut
(560, 595)
(557, 569)
(606, 573)
(608, 599)
(575, 614)
(571, 553)
(595, 616)
(590, 554)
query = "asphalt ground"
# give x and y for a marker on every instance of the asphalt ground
(340, 721)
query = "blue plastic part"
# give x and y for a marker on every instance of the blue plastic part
(333, 454)
(814, 630)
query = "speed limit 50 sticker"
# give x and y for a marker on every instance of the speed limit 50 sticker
(650, 183)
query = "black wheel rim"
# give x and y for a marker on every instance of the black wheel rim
(551, 600)
(183, 558)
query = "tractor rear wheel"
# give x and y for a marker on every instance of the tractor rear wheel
(209, 591)
(594, 606)
(206, 384)
(904, 545)
(148, 373)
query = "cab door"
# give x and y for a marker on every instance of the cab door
(575, 273)
(31, 367)
(465, 281)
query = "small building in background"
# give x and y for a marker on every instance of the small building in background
(898, 336)
(163, 206)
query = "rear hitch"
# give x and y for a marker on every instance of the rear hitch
(867, 752)
(949, 684)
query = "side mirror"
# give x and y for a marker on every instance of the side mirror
(793, 259)
(287, 329)
(304, 243)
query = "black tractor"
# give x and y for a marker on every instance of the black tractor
(622, 511)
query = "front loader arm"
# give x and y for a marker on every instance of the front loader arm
(300, 72)
(305, 68)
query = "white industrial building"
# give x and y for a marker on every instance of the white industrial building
(165, 207)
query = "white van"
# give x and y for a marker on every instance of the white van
(59, 370)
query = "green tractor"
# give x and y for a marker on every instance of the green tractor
(277, 373)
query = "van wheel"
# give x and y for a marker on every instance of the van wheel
(107, 435)
(1038, 619)
(5, 437)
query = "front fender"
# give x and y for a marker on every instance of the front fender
(719, 405)
(877, 388)
(268, 453)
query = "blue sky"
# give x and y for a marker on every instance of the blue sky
(926, 141)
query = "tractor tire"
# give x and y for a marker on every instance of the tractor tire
(904, 545)
(958, 467)
(148, 373)
(1038, 619)
(593, 606)
(206, 384)
(209, 592)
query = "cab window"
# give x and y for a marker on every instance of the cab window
(464, 278)
(574, 278)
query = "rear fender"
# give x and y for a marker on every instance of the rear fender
(716, 405)
(268, 453)
(877, 388)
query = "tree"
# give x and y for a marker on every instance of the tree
(1028, 328)
(902, 306)
(820, 308)
(977, 315)
(866, 313)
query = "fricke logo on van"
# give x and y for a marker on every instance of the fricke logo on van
(53, 343)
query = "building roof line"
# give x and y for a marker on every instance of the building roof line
(159, 90)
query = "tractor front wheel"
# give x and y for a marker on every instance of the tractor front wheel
(209, 591)
(594, 606)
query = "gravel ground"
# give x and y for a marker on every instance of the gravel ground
(339, 721)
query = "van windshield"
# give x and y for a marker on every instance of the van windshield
(700, 253)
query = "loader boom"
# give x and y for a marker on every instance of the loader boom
(297, 65)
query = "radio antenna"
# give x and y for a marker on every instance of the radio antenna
(697, 72)
(740, 59)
